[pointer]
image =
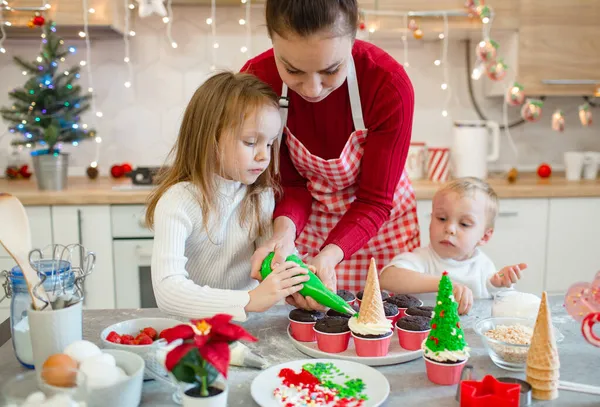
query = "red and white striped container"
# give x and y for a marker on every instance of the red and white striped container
(438, 163)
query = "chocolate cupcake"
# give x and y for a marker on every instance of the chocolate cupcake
(414, 323)
(373, 336)
(384, 295)
(390, 309)
(424, 311)
(332, 313)
(346, 295)
(404, 301)
(301, 315)
(332, 325)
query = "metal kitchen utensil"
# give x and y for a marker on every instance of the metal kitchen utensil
(525, 397)
(81, 264)
(466, 374)
(15, 236)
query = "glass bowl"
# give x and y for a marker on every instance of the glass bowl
(506, 355)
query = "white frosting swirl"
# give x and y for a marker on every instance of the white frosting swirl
(379, 328)
(445, 355)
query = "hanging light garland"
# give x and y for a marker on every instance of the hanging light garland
(445, 66)
(213, 29)
(246, 22)
(168, 20)
(2, 29)
(126, 35)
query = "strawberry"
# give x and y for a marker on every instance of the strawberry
(127, 340)
(135, 342)
(143, 339)
(161, 336)
(114, 337)
(151, 332)
(128, 337)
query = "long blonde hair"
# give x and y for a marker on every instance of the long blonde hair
(217, 110)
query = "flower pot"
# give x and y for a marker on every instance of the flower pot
(217, 396)
(50, 169)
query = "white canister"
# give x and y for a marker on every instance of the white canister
(416, 161)
(53, 330)
(591, 162)
(573, 165)
(470, 151)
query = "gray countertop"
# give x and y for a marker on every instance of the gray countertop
(580, 362)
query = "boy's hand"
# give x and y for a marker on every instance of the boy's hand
(463, 296)
(508, 276)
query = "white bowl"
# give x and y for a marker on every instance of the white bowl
(133, 327)
(125, 393)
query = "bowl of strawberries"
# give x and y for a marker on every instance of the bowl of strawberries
(141, 336)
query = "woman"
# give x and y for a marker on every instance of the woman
(347, 108)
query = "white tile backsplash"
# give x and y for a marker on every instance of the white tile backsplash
(140, 124)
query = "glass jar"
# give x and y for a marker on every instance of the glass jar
(59, 279)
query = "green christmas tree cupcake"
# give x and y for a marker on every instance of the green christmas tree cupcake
(445, 350)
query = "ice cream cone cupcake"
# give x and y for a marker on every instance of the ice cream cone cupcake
(371, 330)
(543, 363)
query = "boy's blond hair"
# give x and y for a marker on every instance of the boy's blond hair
(469, 186)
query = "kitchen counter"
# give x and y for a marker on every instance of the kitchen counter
(104, 190)
(409, 385)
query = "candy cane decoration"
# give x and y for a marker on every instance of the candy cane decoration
(587, 328)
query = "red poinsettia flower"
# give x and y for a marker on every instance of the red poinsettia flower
(211, 336)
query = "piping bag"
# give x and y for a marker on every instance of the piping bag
(241, 355)
(313, 288)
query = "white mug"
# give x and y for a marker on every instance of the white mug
(573, 165)
(591, 162)
(416, 161)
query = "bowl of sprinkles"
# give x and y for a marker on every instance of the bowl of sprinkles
(320, 382)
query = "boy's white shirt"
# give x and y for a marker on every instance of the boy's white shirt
(474, 272)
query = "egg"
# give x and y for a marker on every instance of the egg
(105, 358)
(81, 350)
(60, 370)
(99, 374)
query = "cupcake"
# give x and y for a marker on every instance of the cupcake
(333, 334)
(404, 301)
(391, 312)
(302, 323)
(359, 296)
(445, 351)
(347, 296)
(412, 331)
(333, 313)
(424, 311)
(371, 330)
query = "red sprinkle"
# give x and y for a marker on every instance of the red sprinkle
(302, 379)
(442, 314)
(436, 340)
(433, 326)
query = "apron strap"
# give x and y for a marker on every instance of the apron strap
(353, 93)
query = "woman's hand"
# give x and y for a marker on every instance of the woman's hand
(285, 280)
(282, 243)
(323, 265)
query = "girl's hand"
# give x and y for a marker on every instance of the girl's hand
(463, 296)
(508, 276)
(284, 281)
(282, 243)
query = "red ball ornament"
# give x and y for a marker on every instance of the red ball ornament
(127, 168)
(362, 26)
(117, 171)
(544, 170)
(39, 21)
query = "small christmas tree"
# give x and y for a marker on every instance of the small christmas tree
(446, 333)
(47, 109)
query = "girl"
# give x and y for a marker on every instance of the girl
(214, 204)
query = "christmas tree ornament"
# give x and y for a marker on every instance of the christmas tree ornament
(92, 172)
(487, 50)
(558, 121)
(585, 115)
(117, 171)
(445, 349)
(532, 110)
(583, 304)
(312, 288)
(544, 170)
(418, 34)
(484, 12)
(597, 91)
(126, 168)
(412, 25)
(515, 95)
(149, 7)
(30, 24)
(496, 70)
(38, 20)
(512, 175)
(11, 172)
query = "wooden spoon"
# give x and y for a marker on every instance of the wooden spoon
(15, 236)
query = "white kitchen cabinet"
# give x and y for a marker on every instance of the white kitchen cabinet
(519, 237)
(573, 253)
(40, 224)
(90, 226)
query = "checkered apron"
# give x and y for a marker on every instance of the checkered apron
(333, 185)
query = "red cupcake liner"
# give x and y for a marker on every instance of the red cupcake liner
(444, 374)
(303, 331)
(332, 342)
(393, 319)
(411, 340)
(372, 347)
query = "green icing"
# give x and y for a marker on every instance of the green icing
(449, 334)
(326, 372)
